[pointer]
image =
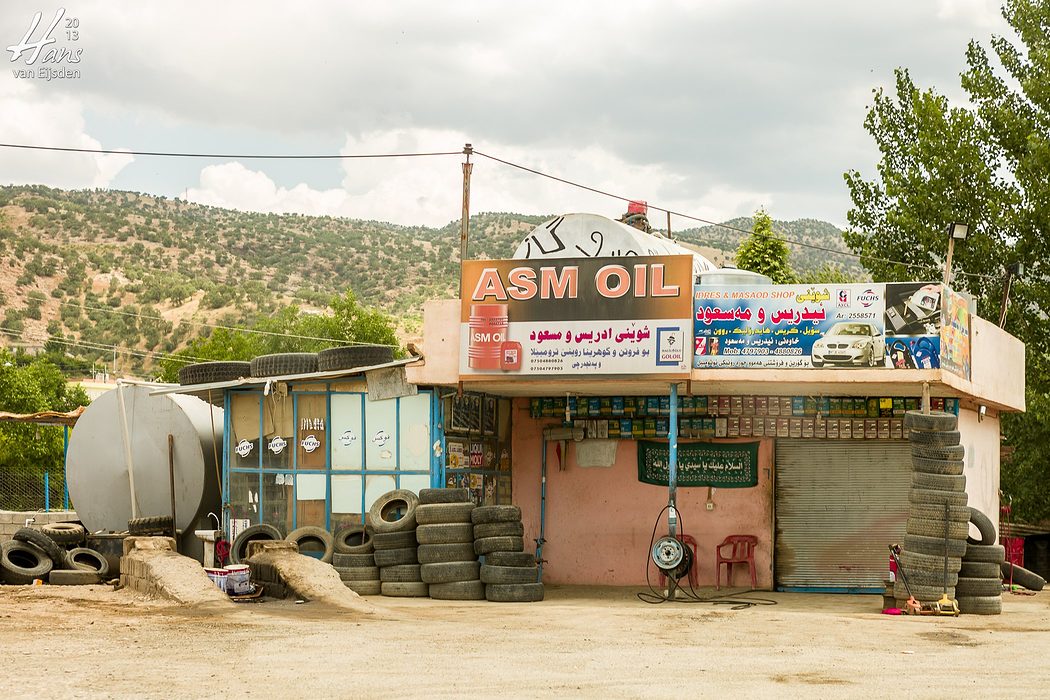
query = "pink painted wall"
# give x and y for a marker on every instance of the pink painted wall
(600, 520)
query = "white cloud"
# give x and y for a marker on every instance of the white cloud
(31, 117)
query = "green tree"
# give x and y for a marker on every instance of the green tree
(765, 252)
(987, 165)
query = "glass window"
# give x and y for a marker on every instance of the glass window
(311, 491)
(414, 432)
(347, 432)
(376, 486)
(244, 430)
(415, 482)
(381, 435)
(347, 495)
(278, 431)
(277, 507)
(244, 496)
(312, 444)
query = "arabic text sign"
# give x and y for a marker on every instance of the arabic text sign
(576, 316)
(782, 325)
(722, 465)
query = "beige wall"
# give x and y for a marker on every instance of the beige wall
(981, 440)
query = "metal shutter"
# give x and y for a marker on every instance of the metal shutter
(838, 504)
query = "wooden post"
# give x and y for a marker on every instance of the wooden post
(464, 221)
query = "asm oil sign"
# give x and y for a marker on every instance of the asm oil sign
(577, 316)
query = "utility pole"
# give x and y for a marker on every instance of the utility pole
(464, 221)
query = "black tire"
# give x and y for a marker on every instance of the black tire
(495, 514)
(917, 561)
(930, 579)
(438, 553)
(353, 539)
(995, 553)
(22, 563)
(934, 497)
(938, 482)
(345, 561)
(432, 496)
(944, 438)
(358, 573)
(514, 592)
(152, 525)
(929, 527)
(934, 546)
(460, 590)
(84, 559)
(393, 540)
(956, 514)
(396, 557)
(239, 550)
(313, 534)
(986, 605)
(365, 587)
(65, 533)
(984, 526)
(511, 529)
(209, 372)
(981, 569)
(445, 533)
(450, 572)
(487, 545)
(402, 573)
(1021, 576)
(439, 513)
(284, 363)
(923, 594)
(401, 503)
(979, 587)
(354, 356)
(948, 452)
(45, 544)
(509, 574)
(510, 559)
(75, 577)
(953, 467)
(398, 589)
(932, 422)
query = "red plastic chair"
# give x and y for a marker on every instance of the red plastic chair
(741, 549)
(688, 541)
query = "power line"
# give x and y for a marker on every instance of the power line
(729, 227)
(245, 156)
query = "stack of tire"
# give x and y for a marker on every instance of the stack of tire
(393, 521)
(445, 533)
(355, 560)
(51, 554)
(937, 480)
(509, 573)
(980, 587)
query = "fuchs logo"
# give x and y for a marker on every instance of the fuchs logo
(244, 448)
(277, 445)
(843, 298)
(310, 443)
(347, 438)
(867, 298)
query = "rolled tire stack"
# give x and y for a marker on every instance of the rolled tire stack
(937, 479)
(445, 534)
(42, 554)
(355, 560)
(509, 574)
(393, 521)
(980, 587)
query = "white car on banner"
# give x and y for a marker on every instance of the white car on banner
(851, 343)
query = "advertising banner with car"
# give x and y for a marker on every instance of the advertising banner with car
(802, 326)
(576, 316)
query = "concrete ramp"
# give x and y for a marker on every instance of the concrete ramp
(151, 566)
(303, 577)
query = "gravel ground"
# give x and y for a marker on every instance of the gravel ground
(90, 641)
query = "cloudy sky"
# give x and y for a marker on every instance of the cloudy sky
(712, 107)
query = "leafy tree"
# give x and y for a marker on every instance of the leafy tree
(830, 274)
(988, 166)
(765, 252)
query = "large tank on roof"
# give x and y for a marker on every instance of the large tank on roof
(97, 469)
(594, 236)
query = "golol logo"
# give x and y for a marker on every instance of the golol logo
(867, 297)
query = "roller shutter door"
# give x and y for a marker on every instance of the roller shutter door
(838, 505)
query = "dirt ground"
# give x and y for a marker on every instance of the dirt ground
(592, 642)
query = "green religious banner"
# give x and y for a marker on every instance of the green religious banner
(723, 465)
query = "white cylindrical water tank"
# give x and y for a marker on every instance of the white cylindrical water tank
(97, 469)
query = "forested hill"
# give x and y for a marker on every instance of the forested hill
(123, 268)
